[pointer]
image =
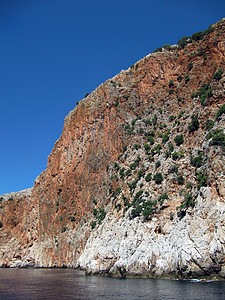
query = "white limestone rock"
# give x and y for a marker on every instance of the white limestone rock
(190, 247)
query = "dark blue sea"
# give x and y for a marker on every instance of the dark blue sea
(73, 284)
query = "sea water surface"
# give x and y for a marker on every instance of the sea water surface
(73, 284)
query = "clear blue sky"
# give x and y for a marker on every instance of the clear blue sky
(53, 52)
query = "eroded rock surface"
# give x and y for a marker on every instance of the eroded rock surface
(191, 247)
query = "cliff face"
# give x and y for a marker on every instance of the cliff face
(135, 184)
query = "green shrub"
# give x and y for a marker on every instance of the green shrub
(135, 163)
(175, 155)
(180, 179)
(187, 78)
(147, 212)
(154, 119)
(118, 206)
(116, 166)
(209, 124)
(184, 41)
(147, 147)
(181, 154)
(171, 91)
(140, 174)
(162, 198)
(189, 185)
(150, 139)
(158, 147)
(179, 78)
(149, 208)
(150, 133)
(218, 138)
(195, 37)
(93, 224)
(204, 93)
(160, 134)
(218, 75)
(200, 35)
(165, 137)
(171, 83)
(220, 111)
(137, 198)
(116, 192)
(125, 201)
(158, 178)
(128, 172)
(179, 139)
(157, 164)
(190, 66)
(122, 172)
(148, 177)
(171, 118)
(136, 146)
(181, 213)
(167, 46)
(198, 160)
(173, 169)
(171, 148)
(72, 218)
(101, 214)
(136, 211)
(201, 179)
(188, 200)
(160, 126)
(64, 229)
(157, 50)
(133, 185)
(133, 122)
(208, 94)
(147, 122)
(194, 125)
(141, 130)
(171, 216)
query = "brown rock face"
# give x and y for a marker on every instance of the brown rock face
(77, 166)
(112, 127)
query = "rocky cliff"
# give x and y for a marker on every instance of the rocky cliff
(135, 184)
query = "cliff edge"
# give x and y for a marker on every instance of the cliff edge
(135, 184)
